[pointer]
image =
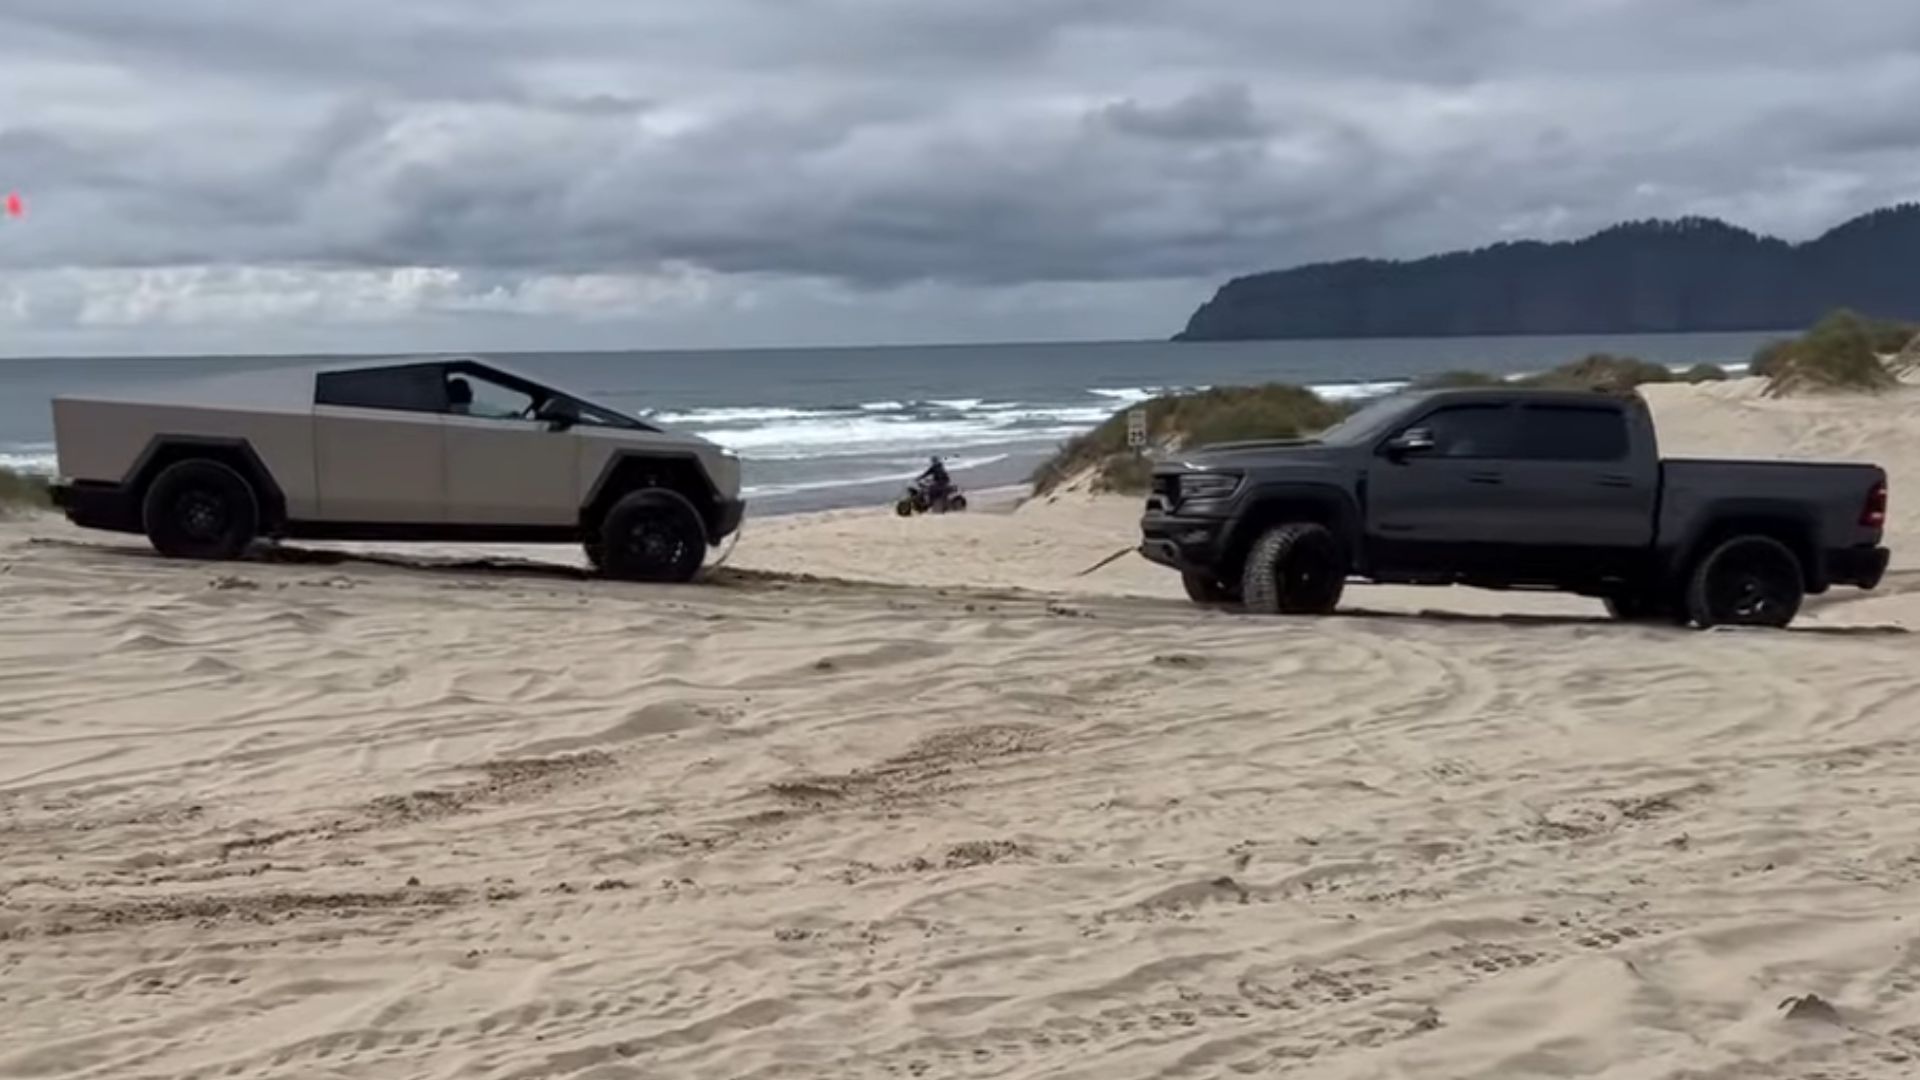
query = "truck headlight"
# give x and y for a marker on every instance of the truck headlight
(1208, 485)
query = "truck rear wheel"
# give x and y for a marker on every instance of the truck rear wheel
(200, 509)
(1746, 581)
(1296, 569)
(653, 535)
(1208, 591)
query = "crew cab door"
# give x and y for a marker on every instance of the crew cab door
(379, 457)
(1437, 501)
(1579, 484)
(503, 466)
(1524, 492)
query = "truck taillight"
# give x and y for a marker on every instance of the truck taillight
(1874, 515)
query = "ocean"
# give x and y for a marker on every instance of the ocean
(825, 428)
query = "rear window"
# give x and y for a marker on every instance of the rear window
(408, 389)
(1572, 433)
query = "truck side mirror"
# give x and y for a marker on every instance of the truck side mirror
(1411, 441)
(559, 414)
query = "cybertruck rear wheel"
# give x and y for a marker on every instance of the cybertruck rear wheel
(654, 535)
(200, 509)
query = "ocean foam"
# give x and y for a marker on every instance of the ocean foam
(954, 465)
(36, 459)
(1359, 391)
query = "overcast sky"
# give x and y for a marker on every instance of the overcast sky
(224, 175)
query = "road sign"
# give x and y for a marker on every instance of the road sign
(1137, 428)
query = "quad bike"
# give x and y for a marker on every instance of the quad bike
(922, 499)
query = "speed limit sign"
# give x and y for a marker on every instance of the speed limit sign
(1137, 428)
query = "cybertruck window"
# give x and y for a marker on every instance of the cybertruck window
(596, 416)
(406, 389)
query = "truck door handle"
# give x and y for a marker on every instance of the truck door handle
(1615, 480)
(1485, 478)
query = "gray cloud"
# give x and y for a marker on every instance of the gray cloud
(1217, 114)
(798, 149)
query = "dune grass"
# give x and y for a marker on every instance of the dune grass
(1843, 352)
(1202, 418)
(1458, 380)
(1599, 371)
(23, 492)
(1602, 371)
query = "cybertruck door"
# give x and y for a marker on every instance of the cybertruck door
(379, 455)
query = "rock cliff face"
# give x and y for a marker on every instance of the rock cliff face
(1695, 274)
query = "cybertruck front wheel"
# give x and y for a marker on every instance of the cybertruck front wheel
(653, 535)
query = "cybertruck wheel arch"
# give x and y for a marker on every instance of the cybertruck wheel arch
(628, 471)
(237, 454)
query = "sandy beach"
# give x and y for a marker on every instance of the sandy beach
(925, 798)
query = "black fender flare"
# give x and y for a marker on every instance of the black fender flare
(1269, 503)
(1792, 523)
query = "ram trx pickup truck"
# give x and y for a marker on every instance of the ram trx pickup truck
(1514, 489)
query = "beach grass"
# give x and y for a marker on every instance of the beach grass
(1843, 352)
(1597, 371)
(1187, 420)
(23, 492)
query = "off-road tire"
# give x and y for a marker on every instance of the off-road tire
(200, 509)
(653, 535)
(1295, 569)
(1746, 581)
(1208, 591)
(956, 503)
(1642, 606)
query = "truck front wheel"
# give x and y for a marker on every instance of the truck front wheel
(1746, 581)
(653, 535)
(1208, 591)
(1296, 569)
(200, 509)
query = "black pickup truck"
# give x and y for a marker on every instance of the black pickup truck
(1514, 489)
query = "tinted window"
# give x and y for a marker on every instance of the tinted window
(1368, 423)
(472, 394)
(1471, 431)
(596, 416)
(1572, 433)
(408, 389)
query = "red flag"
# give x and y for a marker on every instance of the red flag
(16, 206)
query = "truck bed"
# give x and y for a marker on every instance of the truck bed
(1829, 500)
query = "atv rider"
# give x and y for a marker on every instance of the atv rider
(935, 481)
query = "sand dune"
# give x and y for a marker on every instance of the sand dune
(312, 818)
